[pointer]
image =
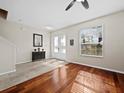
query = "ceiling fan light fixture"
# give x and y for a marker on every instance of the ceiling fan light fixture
(83, 2)
(79, 0)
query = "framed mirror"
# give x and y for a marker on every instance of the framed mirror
(37, 40)
(91, 41)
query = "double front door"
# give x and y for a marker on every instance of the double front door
(59, 46)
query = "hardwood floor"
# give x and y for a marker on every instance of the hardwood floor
(72, 78)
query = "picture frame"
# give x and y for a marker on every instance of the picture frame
(37, 40)
(71, 42)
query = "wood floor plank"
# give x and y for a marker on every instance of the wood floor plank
(72, 78)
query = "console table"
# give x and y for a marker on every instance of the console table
(38, 55)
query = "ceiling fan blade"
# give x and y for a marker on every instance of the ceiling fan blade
(85, 4)
(70, 5)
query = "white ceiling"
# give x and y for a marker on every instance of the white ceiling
(42, 13)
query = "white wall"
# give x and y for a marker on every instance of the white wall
(113, 42)
(22, 37)
(7, 56)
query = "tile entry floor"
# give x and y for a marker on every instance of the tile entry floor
(28, 71)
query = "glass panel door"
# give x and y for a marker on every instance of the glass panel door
(59, 48)
(56, 45)
(62, 47)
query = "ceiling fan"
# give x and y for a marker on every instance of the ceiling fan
(83, 2)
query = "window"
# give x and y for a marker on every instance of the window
(91, 41)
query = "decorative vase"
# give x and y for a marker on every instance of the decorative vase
(35, 50)
(38, 49)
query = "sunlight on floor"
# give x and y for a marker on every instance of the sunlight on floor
(86, 82)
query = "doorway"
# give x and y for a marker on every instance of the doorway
(59, 47)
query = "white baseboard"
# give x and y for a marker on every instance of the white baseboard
(24, 62)
(27, 61)
(112, 70)
(8, 72)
